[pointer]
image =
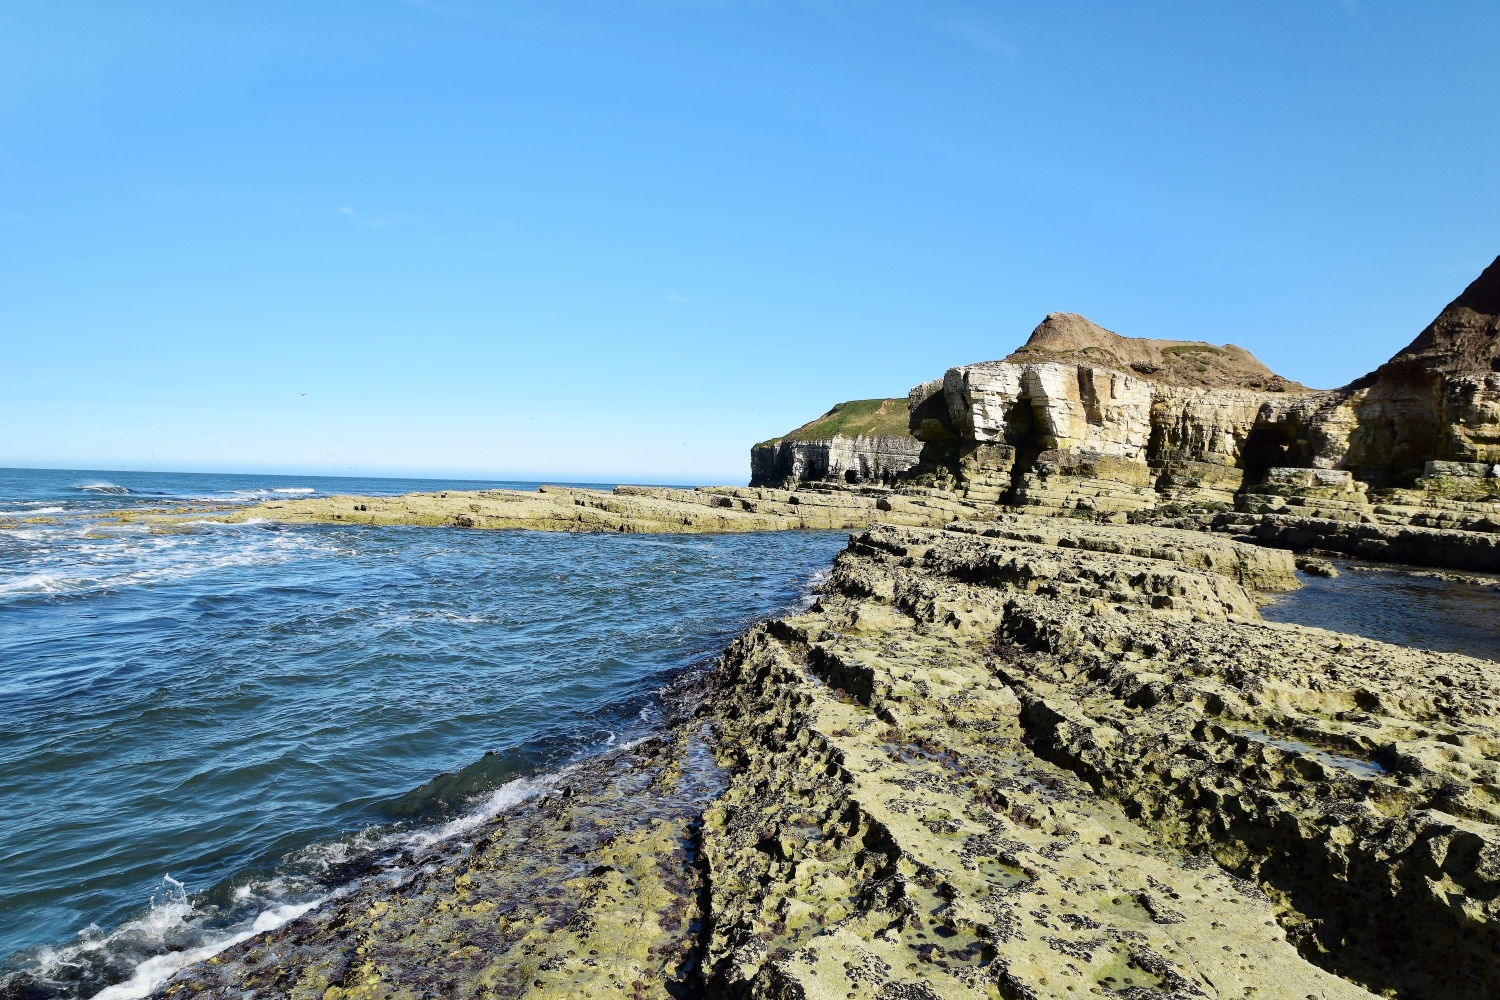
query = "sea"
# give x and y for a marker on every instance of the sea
(1444, 611)
(207, 730)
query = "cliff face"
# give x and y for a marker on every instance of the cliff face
(861, 441)
(1402, 464)
(1438, 399)
(1079, 406)
(1152, 417)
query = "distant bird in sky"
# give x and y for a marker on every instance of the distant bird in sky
(303, 394)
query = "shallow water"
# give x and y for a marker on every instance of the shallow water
(1354, 765)
(1399, 606)
(206, 730)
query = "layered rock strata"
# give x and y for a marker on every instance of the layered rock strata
(861, 441)
(1443, 520)
(858, 459)
(1025, 758)
(626, 509)
(1083, 420)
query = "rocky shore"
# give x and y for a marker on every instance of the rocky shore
(625, 509)
(1034, 738)
(1401, 465)
(1028, 757)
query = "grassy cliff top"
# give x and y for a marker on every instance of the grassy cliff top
(856, 418)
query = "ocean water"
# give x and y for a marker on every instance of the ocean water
(1407, 606)
(205, 731)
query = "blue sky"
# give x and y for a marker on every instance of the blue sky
(622, 241)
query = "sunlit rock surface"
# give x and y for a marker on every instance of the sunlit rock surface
(861, 441)
(1024, 757)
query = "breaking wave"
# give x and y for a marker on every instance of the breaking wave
(88, 557)
(178, 928)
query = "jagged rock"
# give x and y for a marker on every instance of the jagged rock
(1023, 758)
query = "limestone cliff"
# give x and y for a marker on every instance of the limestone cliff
(1085, 405)
(1081, 418)
(861, 441)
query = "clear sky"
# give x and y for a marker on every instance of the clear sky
(624, 240)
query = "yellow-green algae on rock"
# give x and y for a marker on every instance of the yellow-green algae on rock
(647, 509)
(591, 889)
(1025, 759)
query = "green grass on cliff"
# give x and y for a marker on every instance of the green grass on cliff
(856, 418)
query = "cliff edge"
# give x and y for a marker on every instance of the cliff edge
(1083, 420)
(1464, 339)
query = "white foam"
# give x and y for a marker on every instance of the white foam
(156, 970)
(373, 840)
(171, 920)
(251, 495)
(814, 587)
(133, 556)
(507, 796)
(172, 916)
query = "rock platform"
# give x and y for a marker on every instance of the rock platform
(1023, 758)
(632, 509)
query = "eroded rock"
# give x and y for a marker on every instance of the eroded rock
(1024, 758)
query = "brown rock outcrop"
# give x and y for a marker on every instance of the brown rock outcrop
(1071, 338)
(1438, 399)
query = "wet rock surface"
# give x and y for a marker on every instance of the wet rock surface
(594, 888)
(627, 509)
(1024, 758)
